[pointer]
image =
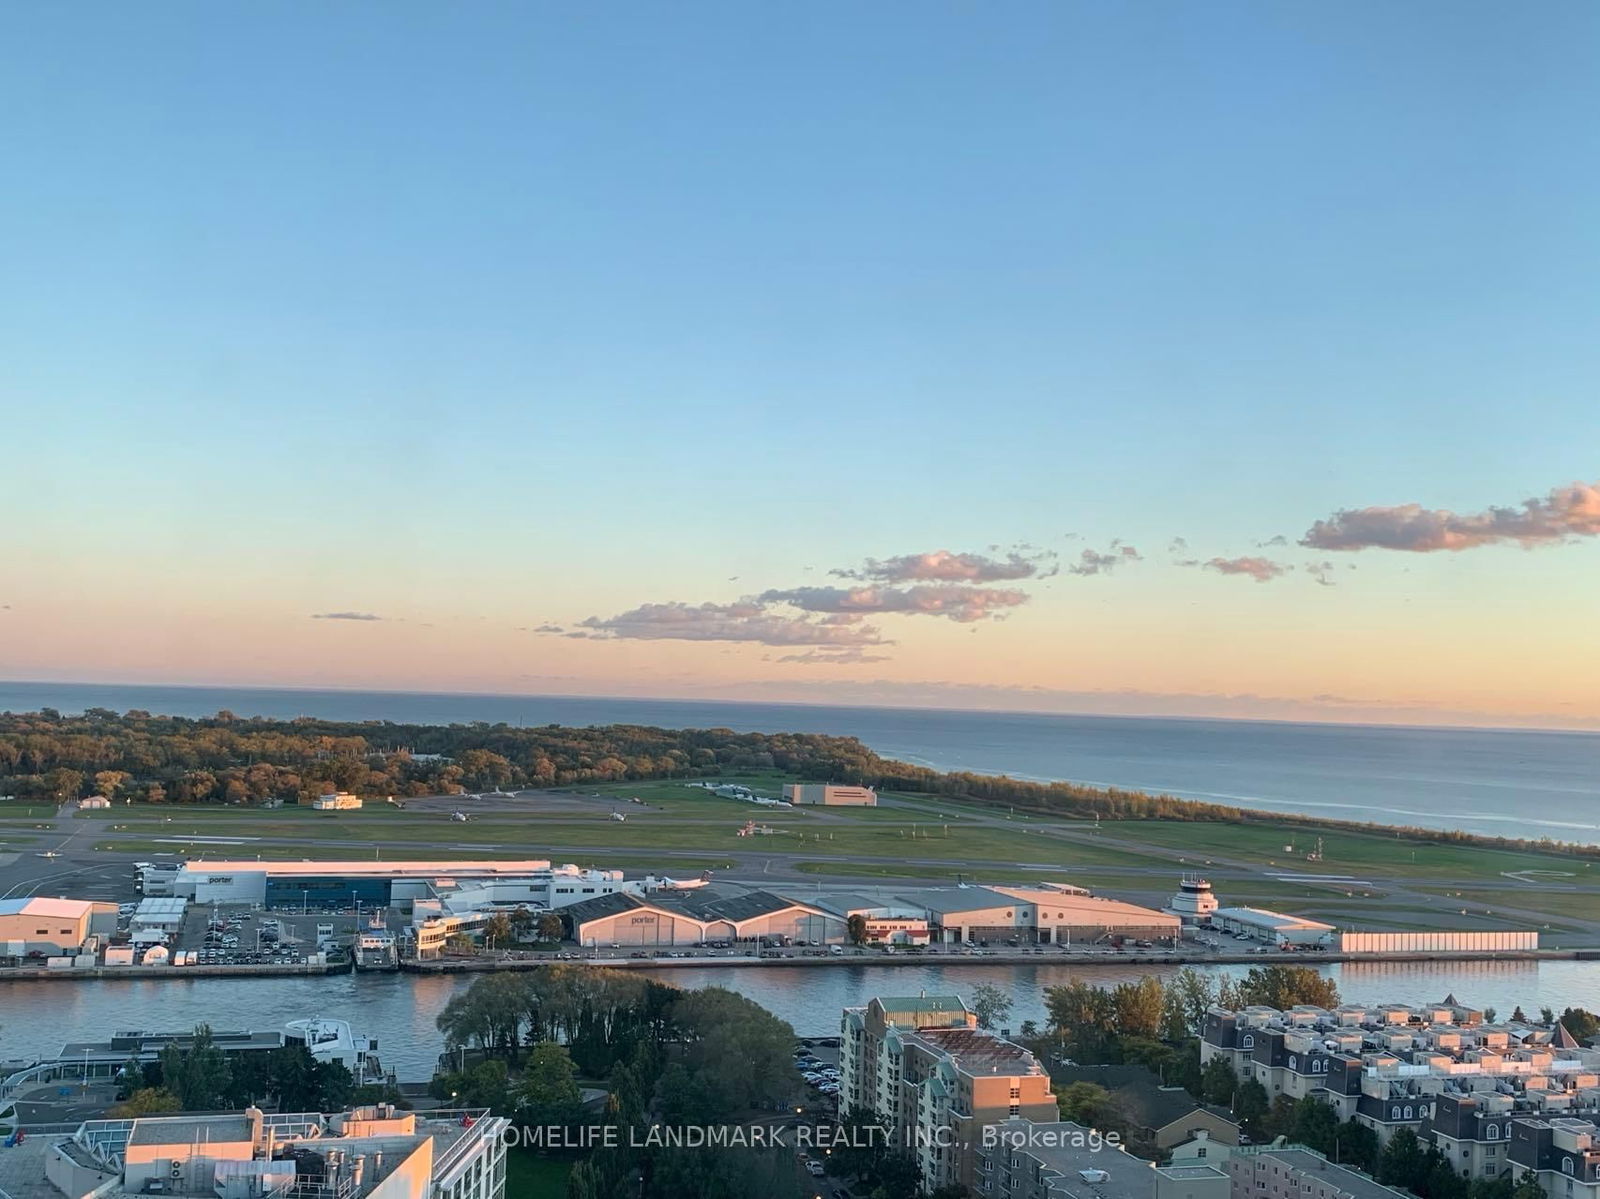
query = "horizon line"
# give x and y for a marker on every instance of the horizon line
(325, 689)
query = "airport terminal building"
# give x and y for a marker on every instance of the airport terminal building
(337, 885)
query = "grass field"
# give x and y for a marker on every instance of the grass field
(1360, 854)
(1585, 905)
(842, 834)
(907, 838)
(529, 1176)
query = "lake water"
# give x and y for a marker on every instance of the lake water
(1498, 782)
(36, 1018)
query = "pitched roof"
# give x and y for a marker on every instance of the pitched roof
(1138, 1092)
(701, 904)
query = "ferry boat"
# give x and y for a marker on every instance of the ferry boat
(375, 949)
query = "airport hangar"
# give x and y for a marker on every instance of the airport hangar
(691, 916)
(1048, 915)
(52, 926)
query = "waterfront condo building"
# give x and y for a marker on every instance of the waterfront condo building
(1442, 1070)
(1277, 1171)
(927, 1072)
(368, 1153)
(1561, 1154)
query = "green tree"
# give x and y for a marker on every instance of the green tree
(1218, 1082)
(63, 784)
(1443, 1181)
(1403, 1162)
(1355, 1144)
(148, 1101)
(1528, 1188)
(741, 1049)
(1188, 996)
(497, 929)
(547, 1093)
(1315, 1124)
(550, 927)
(198, 1074)
(1580, 1023)
(1084, 1103)
(990, 1004)
(486, 1084)
(856, 928)
(1287, 986)
(1082, 1016)
(1250, 1105)
(1279, 1121)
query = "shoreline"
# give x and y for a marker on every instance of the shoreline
(1145, 958)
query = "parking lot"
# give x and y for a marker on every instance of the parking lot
(235, 935)
(818, 1066)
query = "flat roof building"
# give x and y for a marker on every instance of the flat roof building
(928, 1073)
(1028, 1159)
(1045, 915)
(38, 925)
(1274, 1171)
(367, 1153)
(830, 795)
(330, 884)
(1275, 928)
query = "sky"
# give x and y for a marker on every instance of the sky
(1219, 359)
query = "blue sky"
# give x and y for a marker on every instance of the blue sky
(496, 316)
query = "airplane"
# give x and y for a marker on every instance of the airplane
(49, 853)
(459, 817)
(618, 817)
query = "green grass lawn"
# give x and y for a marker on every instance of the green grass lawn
(529, 1176)
(1361, 854)
(1585, 905)
(841, 833)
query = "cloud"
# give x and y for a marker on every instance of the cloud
(344, 616)
(817, 657)
(956, 601)
(746, 620)
(1322, 572)
(942, 566)
(1177, 546)
(1262, 570)
(1567, 512)
(1273, 542)
(1092, 562)
(548, 628)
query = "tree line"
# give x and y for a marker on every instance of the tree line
(46, 756)
(198, 1076)
(662, 1055)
